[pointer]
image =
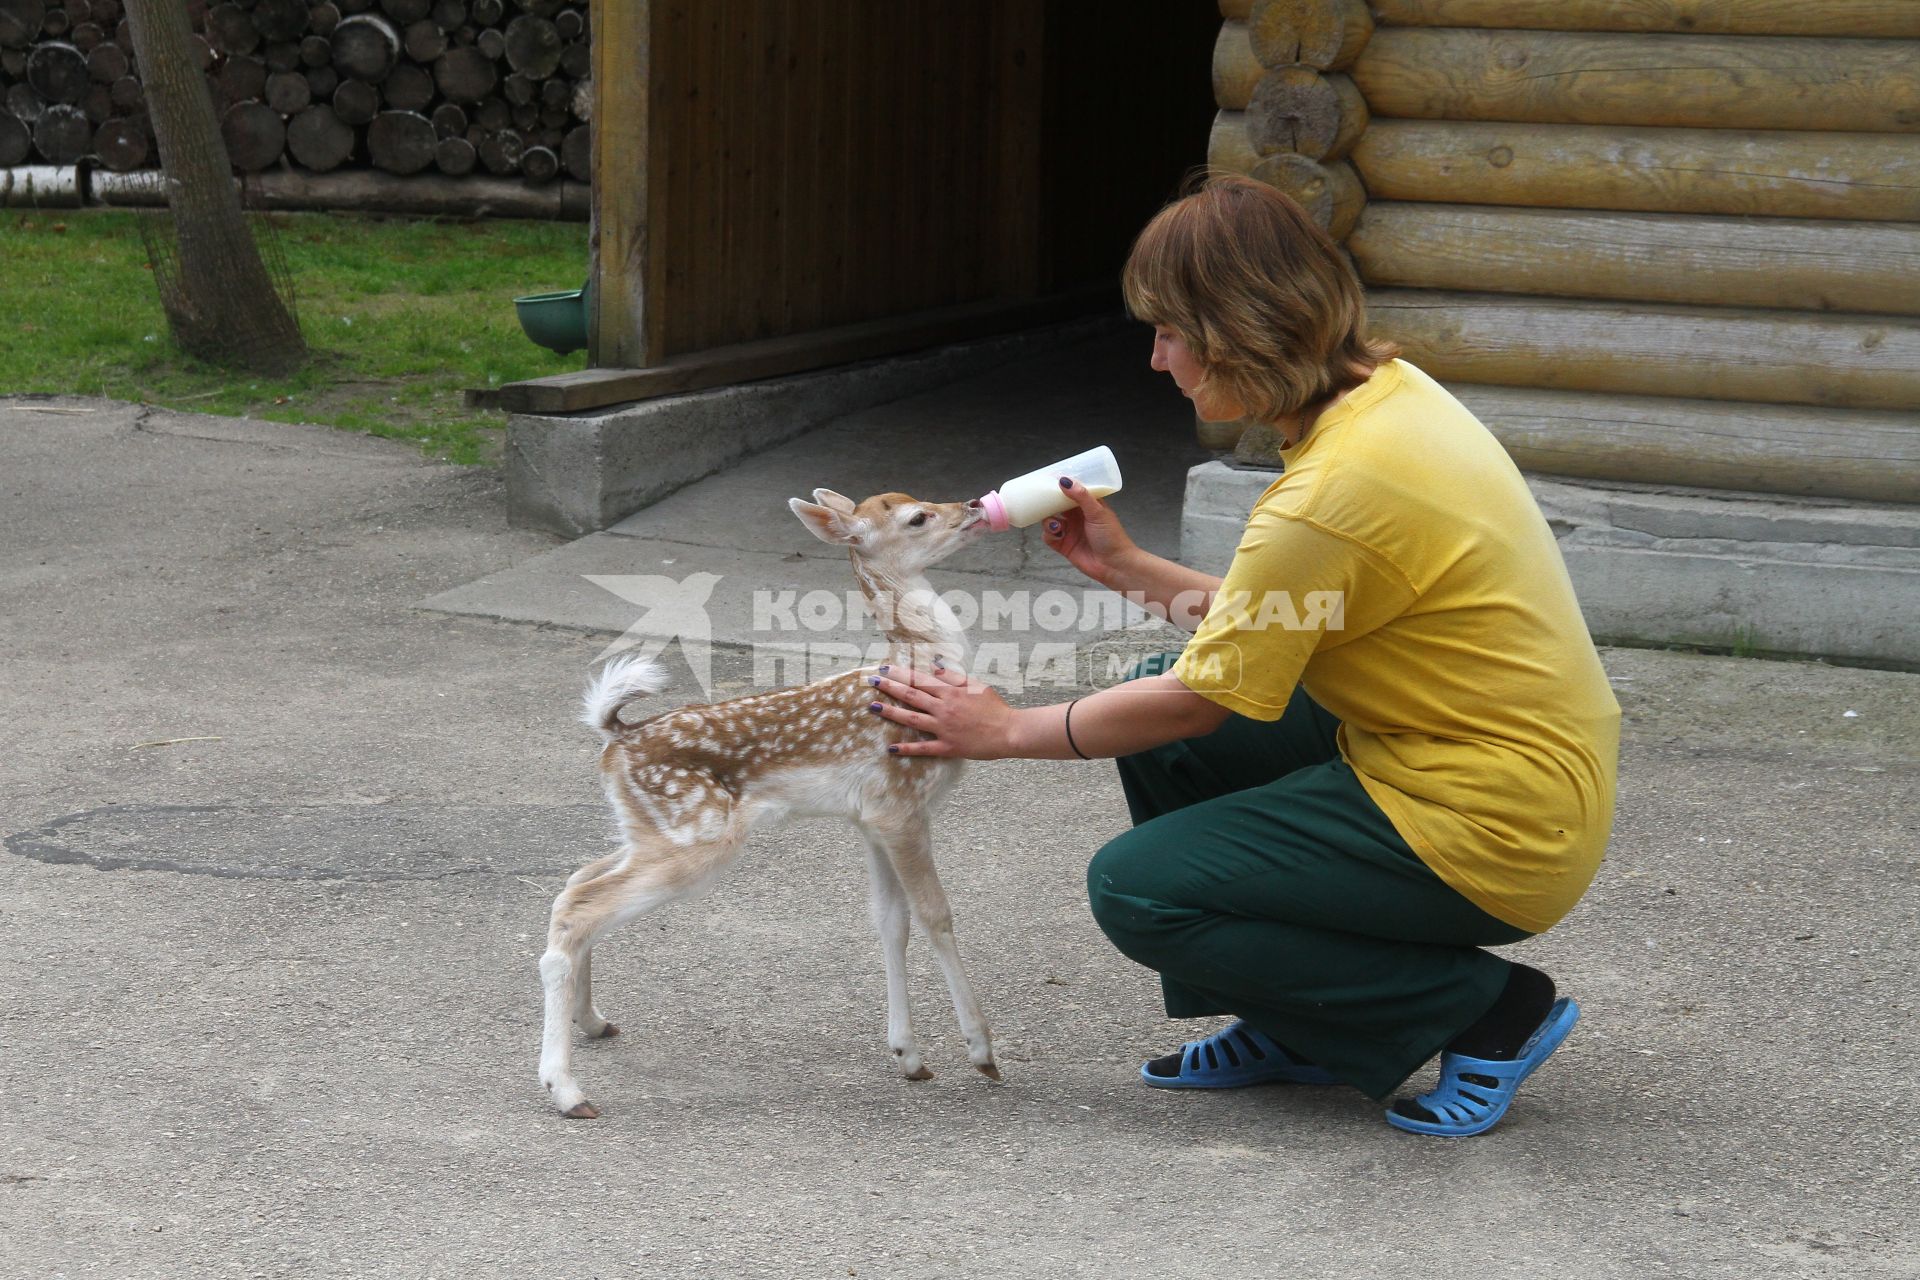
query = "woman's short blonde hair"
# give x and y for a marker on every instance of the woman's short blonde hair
(1258, 292)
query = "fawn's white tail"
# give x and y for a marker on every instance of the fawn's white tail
(621, 681)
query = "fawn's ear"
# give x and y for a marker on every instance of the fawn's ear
(839, 502)
(840, 528)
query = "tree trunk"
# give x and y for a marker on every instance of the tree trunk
(226, 309)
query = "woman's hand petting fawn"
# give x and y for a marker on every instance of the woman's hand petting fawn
(968, 720)
(1089, 536)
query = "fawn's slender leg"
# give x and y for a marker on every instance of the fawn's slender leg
(890, 920)
(651, 877)
(909, 847)
(591, 1021)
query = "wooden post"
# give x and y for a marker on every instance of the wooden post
(621, 332)
(1323, 34)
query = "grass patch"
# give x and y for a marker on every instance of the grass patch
(403, 315)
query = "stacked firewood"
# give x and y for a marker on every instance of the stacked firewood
(405, 86)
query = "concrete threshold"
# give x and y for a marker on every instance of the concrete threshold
(1660, 565)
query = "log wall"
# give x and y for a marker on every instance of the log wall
(1600, 219)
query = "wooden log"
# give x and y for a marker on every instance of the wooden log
(576, 60)
(62, 134)
(322, 18)
(323, 81)
(229, 30)
(356, 102)
(449, 121)
(255, 135)
(539, 164)
(127, 93)
(57, 72)
(106, 63)
(1710, 353)
(1892, 19)
(465, 75)
(1748, 262)
(1228, 146)
(121, 145)
(97, 104)
(454, 156)
(280, 21)
(492, 42)
(526, 118)
(20, 22)
(1324, 34)
(16, 140)
(1300, 110)
(241, 78)
(1709, 82)
(23, 102)
(56, 24)
(365, 47)
(319, 139)
(486, 13)
(1855, 454)
(554, 120)
(500, 151)
(405, 12)
(1800, 175)
(557, 93)
(533, 46)
(519, 89)
(492, 113)
(576, 153)
(408, 88)
(316, 51)
(401, 141)
(449, 15)
(570, 23)
(424, 40)
(288, 92)
(13, 64)
(85, 36)
(1330, 193)
(282, 55)
(1236, 72)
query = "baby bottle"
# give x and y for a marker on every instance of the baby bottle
(1036, 495)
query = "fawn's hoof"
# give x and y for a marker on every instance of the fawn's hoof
(582, 1111)
(607, 1032)
(920, 1073)
(991, 1070)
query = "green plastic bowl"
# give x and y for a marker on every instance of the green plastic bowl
(556, 321)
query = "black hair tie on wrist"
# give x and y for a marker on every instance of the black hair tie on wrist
(1069, 726)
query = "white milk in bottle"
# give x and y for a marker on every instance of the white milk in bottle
(1036, 495)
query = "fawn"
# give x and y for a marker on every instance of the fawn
(689, 785)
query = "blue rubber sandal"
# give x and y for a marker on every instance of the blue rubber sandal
(1465, 1108)
(1235, 1057)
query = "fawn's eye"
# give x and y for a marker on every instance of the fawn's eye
(918, 520)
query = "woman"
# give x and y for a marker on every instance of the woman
(1389, 744)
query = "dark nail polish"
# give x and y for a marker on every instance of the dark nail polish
(883, 671)
(1066, 482)
(1053, 526)
(874, 681)
(893, 751)
(874, 707)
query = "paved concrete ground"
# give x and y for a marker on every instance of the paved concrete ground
(269, 1002)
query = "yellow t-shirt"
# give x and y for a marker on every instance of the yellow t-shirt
(1400, 570)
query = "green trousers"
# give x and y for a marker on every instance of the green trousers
(1261, 880)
